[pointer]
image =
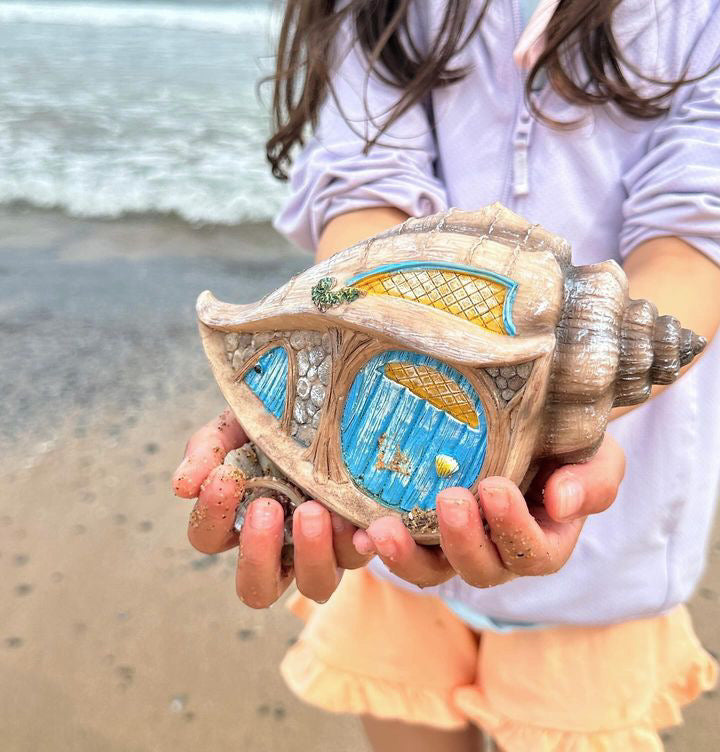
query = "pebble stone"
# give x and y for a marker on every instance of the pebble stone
(305, 435)
(317, 355)
(231, 342)
(509, 380)
(299, 412)
(303, 388)
(516, 382)
(317, 394)
(261, 339)
(312, 351)
(324, 371)
(298, 340)
(303, 362)
(314, 368)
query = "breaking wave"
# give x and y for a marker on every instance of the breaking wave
(206, 18)
(111, 108)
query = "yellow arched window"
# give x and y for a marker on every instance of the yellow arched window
(482, 297)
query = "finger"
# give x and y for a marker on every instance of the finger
(420, 565)
(363, 543)
(316, 570)
(574, 491)
(561, 536)
(536, 490)
(525, 547)
(205, 450)
(347, 556)
(259, 581)
(210, 529)
(463, 539)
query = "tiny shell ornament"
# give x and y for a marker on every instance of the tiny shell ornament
(451, 348)
(261, 477)
(445, 465)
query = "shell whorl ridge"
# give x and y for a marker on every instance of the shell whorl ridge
(609, 352)
(653, 349)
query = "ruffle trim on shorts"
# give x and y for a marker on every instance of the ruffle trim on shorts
(323, 678)
(516, 736)
(339, 690)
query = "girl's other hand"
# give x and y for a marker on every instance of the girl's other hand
(323, 541)
(487, 539)
(499, 535)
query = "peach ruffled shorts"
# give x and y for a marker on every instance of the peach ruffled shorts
(376, 649)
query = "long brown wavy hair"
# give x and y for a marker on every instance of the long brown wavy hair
(310, 28)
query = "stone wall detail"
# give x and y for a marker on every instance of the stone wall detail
(509, 380)
(311, 350)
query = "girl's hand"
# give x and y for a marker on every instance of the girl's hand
(533, 537)
(323, 541)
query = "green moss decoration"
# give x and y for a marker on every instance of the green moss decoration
(324, 297)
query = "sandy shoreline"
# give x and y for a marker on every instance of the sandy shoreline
(116, 635)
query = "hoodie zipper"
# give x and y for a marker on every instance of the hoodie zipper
(517, 176)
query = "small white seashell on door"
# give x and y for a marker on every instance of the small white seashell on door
(445, 465)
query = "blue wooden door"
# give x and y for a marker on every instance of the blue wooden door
(268, 380)
(394, 428)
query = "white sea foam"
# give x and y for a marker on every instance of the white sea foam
(196, 206)
(209, 18)
(112, 115)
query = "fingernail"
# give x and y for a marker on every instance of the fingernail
(385, 547)
(182, 468)
(570, 498)
(311, 521)
(455, 512)
(497, 496)
(262, 515)
(339, 524)
(363, 544)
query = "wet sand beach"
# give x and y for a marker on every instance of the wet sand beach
(115, 635)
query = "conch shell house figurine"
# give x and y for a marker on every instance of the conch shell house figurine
(451, 348)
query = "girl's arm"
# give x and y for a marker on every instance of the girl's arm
(352, 227)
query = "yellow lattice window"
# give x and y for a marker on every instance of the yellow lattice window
(439, 390)
(483, 298)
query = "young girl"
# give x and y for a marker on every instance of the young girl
(599, 119)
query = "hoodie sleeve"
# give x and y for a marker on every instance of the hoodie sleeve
(333, 175)
(674, 189)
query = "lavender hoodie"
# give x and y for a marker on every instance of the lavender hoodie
(607, 185)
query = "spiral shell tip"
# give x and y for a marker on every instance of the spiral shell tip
(691, 345)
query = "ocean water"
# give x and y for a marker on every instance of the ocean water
(110, 107)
